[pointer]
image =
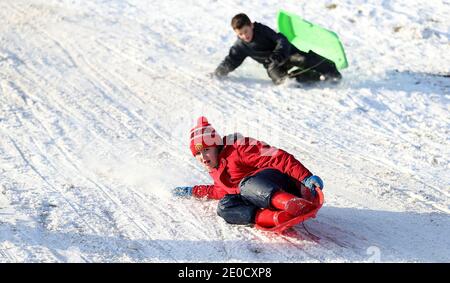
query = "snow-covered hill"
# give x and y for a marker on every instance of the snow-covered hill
(97, 99)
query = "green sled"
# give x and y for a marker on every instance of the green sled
(307, 36)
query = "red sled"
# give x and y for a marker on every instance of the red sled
(316, 204)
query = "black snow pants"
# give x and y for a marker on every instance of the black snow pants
(256, 193)
(311, 67)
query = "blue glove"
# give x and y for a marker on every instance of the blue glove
(312, 182)
(182, 191)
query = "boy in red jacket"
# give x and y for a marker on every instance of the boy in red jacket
(256, 183)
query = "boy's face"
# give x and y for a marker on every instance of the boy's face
(245, 33)
(208, 157)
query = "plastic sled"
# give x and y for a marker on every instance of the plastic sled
(307, 36)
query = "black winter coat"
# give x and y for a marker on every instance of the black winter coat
(266, 47)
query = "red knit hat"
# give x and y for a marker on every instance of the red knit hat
(203, 135)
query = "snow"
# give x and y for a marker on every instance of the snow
(97, 99)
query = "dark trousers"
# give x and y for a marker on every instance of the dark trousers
(256, 193)
(310, 67)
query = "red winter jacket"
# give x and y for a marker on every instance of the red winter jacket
(246, 157)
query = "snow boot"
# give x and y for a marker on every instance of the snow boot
(333, 77)
(290, 203)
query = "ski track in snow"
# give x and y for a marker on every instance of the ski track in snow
(97, 99)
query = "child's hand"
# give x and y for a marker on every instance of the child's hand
(276, 59)
(182, 191)
(220, 72)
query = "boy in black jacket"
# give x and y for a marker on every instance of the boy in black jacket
(275, 52)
